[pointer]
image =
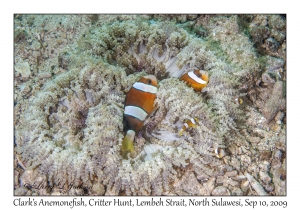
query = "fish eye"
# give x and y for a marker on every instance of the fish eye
(149, 81)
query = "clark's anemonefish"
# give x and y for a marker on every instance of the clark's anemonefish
(238, 100)
(188, 124)
(139, 103)
(219, 152)
(197, 79)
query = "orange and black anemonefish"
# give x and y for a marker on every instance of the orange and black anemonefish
(219, 152)
(239, 100)
(197, 79)
(191, 123)
(139, 103)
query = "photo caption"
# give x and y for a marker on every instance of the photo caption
(144, 201)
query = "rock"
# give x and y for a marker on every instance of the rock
(265, 155)
(16, 179)
(29, 193)
(275, 103)
(236, 191)
(189, 184)
(220, 180)
(181, 193)
(239, 178)
(266, 78)
(97, 189)
(25, 89)
(40, 182)
(264, 166)
(255, 185)
(202, 177)
(220, 191)
(274, 64)
(56, 193)
(231, 173)
(208, 187)
(21, 191)
(245, 186)
(226, 181)
(279, 178)
(235, 163)
(271, 45)
(279, 117)
(23, 68)
(254, 140)
(253, 169)
(269, 187)
(246, 160)
(276, 126)
(278, 155)
(43, 192)
(76, 192)
(110, 192)
(27, 178)
(264, 177)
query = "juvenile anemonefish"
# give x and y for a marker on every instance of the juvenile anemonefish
(238, 100)
(138, 105)
(197, 79)
(219, 152)
(188, 124)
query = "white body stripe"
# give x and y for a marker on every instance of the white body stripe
(216, 151)
(186, 125)
(193, 121)
(195, 78)
(136, 112)
(145, 88)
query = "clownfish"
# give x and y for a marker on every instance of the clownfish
(188, 124)
(219, 152)
(196, 79)
(139, 103)
(238, 100)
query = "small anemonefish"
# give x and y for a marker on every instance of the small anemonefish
(238, 100)
(219, 152)
(197, 79)
(139, 103)
(188, 124)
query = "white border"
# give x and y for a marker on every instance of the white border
(154, 6)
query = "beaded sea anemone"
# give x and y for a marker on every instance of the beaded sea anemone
(72, 128)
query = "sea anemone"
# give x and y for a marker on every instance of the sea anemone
(73, 129)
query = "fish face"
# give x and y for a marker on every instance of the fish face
(149, 80)
(197, 79)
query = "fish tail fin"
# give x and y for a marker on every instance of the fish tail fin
(180, 132)
(127, 143)
(193, 126)
(219, 152)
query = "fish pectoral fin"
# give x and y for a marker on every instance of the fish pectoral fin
(180, 132)
(148, 105)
